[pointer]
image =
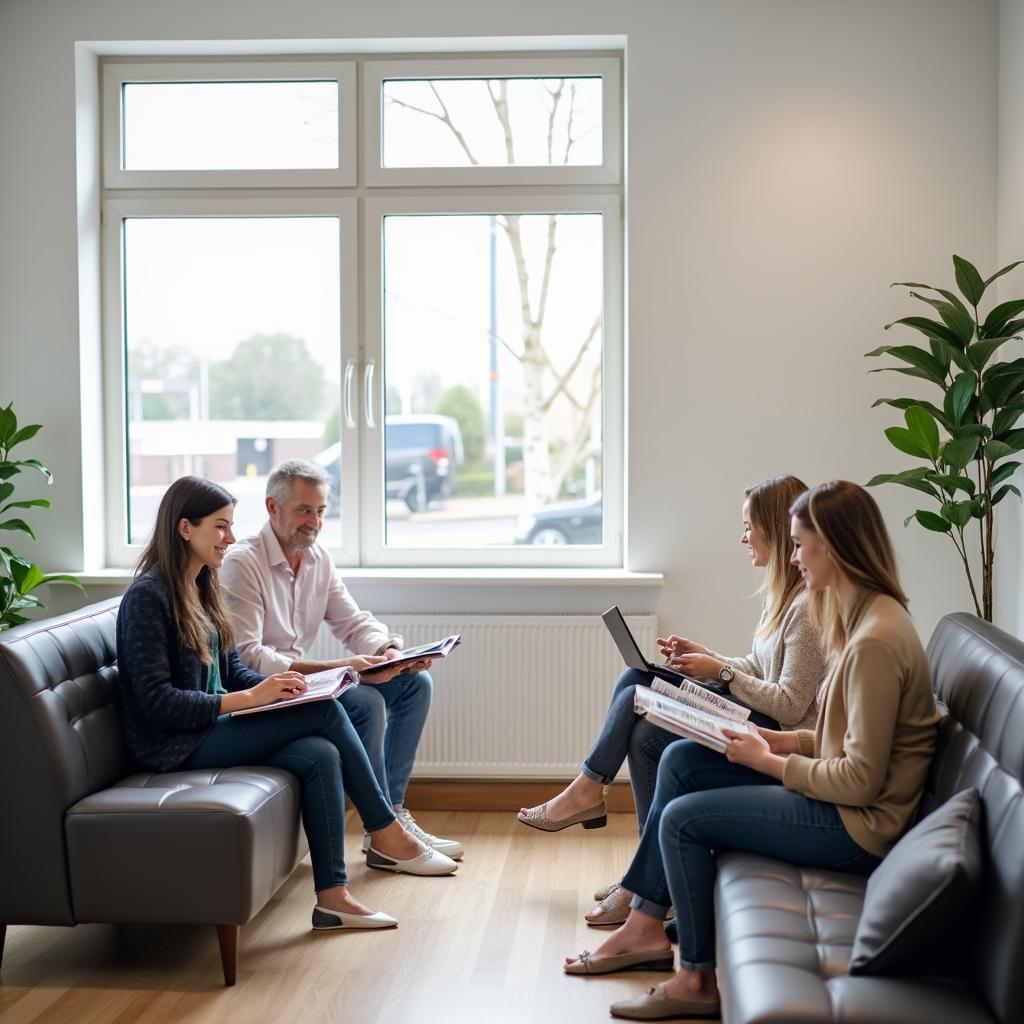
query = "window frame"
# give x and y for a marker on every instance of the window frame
(608, 172)
(610, 552)
(116, 76)
(361, 207)
(116, 483)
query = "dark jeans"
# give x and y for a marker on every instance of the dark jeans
(389, 718)
(704, 805)
(627, 734)
(317, 743)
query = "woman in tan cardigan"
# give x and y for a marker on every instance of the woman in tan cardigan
(838, 797)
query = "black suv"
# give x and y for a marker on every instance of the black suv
(421, 454)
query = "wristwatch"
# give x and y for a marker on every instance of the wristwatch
(725, 674)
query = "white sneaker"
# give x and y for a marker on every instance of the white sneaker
(449, 847)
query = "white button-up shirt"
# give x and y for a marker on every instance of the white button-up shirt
(276, 612)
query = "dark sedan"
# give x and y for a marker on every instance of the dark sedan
(568, 522)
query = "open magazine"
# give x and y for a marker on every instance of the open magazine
(701, 716)
(332, 682)
(438, 649)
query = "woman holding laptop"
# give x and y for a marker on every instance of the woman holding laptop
(181, 678)
(836, 798)
(778, 679)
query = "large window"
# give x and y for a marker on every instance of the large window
(280, 283)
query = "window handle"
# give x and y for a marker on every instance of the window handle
(368, 393)
(350, 372)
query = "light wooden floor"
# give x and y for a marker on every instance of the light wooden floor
(481, 947)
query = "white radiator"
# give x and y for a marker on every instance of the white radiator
(523, 696)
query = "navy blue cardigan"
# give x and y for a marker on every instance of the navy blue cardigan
(166, 709)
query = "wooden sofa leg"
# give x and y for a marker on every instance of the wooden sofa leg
(227, 937)
(3, 935)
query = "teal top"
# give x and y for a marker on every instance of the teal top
(212, 674)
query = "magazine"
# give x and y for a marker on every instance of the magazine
(437, 649)
(692, 694)
(332, 682)
(687, 721)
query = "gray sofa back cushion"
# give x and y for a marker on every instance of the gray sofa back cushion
(979, 675)
(60, 740)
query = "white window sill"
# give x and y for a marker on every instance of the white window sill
(480, 591)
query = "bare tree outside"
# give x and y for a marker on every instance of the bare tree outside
(577, 380)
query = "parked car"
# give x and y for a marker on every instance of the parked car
(421, 455)
(568, 522)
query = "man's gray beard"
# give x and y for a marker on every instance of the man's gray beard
(297, 541)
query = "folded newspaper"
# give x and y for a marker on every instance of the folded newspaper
(691, 711)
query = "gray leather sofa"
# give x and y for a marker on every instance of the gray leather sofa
(81, 841)
(785, 934)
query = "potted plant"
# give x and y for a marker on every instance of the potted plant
(968, 439)
(18, 576)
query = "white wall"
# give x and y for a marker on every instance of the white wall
(1009, 570)
(787, 160)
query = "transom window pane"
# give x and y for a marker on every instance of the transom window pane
(230, 125)
(493, 380)
(492, 122)
(232, 330)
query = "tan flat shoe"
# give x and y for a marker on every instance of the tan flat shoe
(605, 890)
(656, 1005)
(646, 960)
(613, 909)
(592, 817)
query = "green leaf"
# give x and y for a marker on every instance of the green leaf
(8, 425)
(6, 490)
(906, 403)
(1006, 417)
(30, 503)
(1015, 439)
(36, 464)
(9, 619)
(24, 434)
(1005, 270)
(981, 351)
(1003, 492)
(959, 397)
(913, 478)
(902, 439)
(1004, 472)
(8, 469)
(929, 328)
(930, 521)
(997, 450)
(909, 371)
(30, 580)
(63, 578)
(952, 484)
(971, 430)
(929, 366)
(923, 429)
(1000, 316)
(968, 280)
(954, 315)
(957, 454)
(18, 524)
(957, 512)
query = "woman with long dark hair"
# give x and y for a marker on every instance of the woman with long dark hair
(838, 797)
(181, 677)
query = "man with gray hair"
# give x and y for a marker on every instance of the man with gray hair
(281, 585)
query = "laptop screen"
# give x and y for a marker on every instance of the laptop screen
(624, 639)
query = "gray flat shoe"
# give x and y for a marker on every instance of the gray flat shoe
(646, 960)
(655, 1005)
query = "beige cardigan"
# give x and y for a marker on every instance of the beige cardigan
(875, 737)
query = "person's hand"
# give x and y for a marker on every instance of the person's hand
(747, 748)
(782, 743)
(672, 646)
(366, 662)
(700, 666)
(277, 687)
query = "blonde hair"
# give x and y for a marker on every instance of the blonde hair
(849, 523)
(195, 607)
(768, 507)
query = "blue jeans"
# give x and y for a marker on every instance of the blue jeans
(317, 743)
(704, 805)
(389, 718)
(627, 734)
